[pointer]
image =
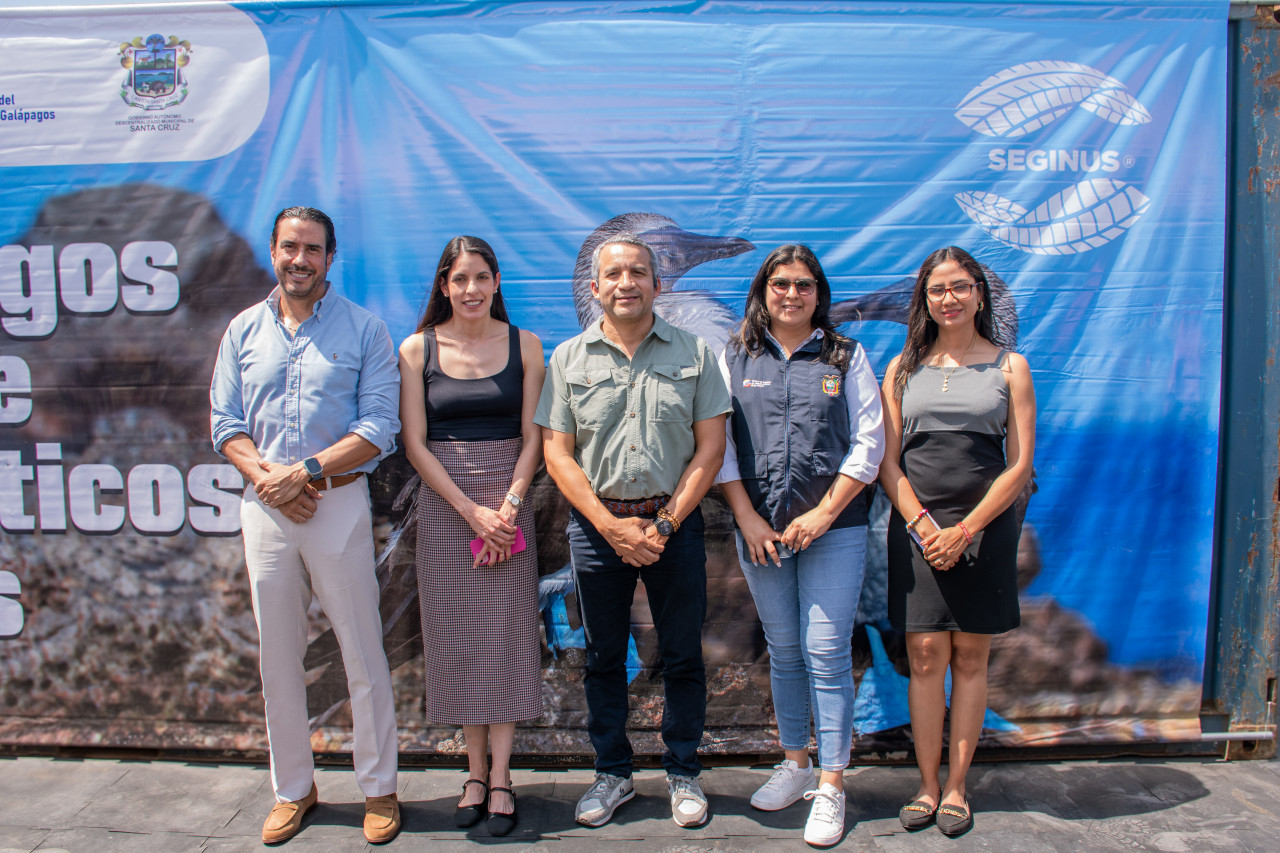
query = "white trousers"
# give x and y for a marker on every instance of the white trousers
(332, 554)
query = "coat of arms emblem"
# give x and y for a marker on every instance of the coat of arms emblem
(155, 80)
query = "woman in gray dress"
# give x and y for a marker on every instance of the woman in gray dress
(469, 384)
(959, 433)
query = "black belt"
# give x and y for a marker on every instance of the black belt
(644, 506)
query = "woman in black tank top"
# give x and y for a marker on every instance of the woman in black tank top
(960, 432)
(469, 383)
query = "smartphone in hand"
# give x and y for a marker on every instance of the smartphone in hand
(477, 545)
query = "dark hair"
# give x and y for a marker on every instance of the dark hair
(922, 331)
(308, 214)
(439, 308)
(836, 348)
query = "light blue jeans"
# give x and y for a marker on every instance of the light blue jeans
(807, 608)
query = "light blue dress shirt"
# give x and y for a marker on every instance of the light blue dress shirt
(295, 395)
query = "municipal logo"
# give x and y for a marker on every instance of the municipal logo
(155, 80)
(831, 385)
(1080, 218)
(1026, 97)
(756, 383)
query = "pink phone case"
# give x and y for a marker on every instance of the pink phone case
(477, 544)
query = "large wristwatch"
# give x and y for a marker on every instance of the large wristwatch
(667, 523)
(313, 467)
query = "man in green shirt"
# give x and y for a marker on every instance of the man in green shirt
(633, 434)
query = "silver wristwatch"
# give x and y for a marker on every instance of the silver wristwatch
(514, 499)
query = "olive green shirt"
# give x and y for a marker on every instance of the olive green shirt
(632, 419)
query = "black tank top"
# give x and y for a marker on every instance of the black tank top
(485, 409)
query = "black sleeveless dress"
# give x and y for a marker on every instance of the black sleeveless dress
(480, 641)
(952, 451)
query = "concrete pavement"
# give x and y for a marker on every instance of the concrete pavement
(1159, 804)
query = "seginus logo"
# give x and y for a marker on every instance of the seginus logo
(1027, 97)
(1080, 218)
(1052, 160)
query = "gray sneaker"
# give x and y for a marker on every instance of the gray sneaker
(688, 803)
(788, 784)
(597, 805)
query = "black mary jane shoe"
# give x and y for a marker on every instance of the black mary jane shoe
(500, 823)
(468, 816)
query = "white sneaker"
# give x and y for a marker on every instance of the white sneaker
(787, 784)
(825, 825)
(688, 803)
(597, 805)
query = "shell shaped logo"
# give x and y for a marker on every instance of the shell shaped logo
(1080, 218)
(1026, 97)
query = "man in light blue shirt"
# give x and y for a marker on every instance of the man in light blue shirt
(304, 403)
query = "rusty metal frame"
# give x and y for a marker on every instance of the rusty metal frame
(1243, 645)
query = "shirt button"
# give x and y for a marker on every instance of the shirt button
(633, 479)
(633, 447)
(632, 385)
(632, 415)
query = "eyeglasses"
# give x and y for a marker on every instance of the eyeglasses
(938, 292)
(803, 286)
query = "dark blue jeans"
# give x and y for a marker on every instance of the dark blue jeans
(677, 589)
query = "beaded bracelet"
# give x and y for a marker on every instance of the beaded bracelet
(968, 537)
(911, 525)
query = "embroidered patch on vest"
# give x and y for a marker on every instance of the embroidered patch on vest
(831, 385)
(756, 383)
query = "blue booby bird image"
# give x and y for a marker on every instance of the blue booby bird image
(892, 302)
(678, 251)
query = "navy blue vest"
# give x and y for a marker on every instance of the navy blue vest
(790, 423)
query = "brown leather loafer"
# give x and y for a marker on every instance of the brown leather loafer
(286, 818)
(381, 818)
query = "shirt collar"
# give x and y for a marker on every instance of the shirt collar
(661, 328)
(815, 334)
(317, 310)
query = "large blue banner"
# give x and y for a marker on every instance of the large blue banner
(1075, 148)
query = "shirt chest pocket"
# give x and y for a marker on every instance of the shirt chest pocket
(824, 392)
(593, 396)
(325, 378)
(671, 391)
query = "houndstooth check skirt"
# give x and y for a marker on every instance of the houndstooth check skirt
(480, 639)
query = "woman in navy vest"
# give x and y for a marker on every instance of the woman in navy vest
(804, 440)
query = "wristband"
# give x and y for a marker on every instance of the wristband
(911, 525)
(968, 537)
(666, 515)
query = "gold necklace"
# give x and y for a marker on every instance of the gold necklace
(946, 377)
